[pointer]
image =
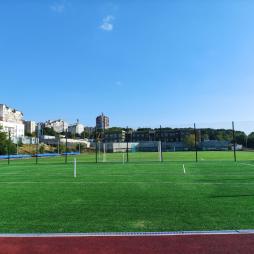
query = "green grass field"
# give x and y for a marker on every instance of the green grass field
(215, 193)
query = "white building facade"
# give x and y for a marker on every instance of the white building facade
(77, 128)
(30, 127)
(11, 121)
(57, 125)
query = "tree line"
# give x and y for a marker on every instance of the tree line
(6, 144)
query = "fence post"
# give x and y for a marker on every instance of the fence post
(234, 141)
(196, 149)
(127, 144)
(9, 143)
(37, 145)
(96, 147)
(66, 144)
(161, 144)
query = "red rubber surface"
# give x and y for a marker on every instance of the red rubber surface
(189, 244)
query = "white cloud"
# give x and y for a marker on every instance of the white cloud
(107, 23)
(107, 26)
(57, 7)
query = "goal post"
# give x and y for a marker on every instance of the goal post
(112, 152)
(145, 151)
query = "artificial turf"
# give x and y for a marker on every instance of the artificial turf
(214, 194)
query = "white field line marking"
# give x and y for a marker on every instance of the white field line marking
(247, 164)
(122, 174)
(126, 182)
(66, 175)
(130, 234)
(184, 169)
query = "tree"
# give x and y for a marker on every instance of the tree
(189, 140)
(84, 134)
(240, 138)
(49, 131)
(251, 140)
(5, 143)
(30, 134)
(42, 148)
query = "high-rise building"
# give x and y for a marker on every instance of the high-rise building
(102, 122)
(11, 121)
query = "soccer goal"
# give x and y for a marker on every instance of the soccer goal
(145, 151)
(150, 151)
(112, 152)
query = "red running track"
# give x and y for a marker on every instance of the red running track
(189, 244)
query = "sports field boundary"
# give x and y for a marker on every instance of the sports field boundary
(127, 234)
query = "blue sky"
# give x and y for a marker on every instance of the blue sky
(143, 63)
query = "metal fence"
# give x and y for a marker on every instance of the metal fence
(231, 141)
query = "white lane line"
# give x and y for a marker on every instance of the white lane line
(135, 234)
(132, 182)
(247, 164)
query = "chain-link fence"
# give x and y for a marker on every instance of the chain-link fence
(222, 141)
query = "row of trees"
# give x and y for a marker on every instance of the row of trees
(221, 134)
(250, 140)
(241, 138)
(186, 134)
